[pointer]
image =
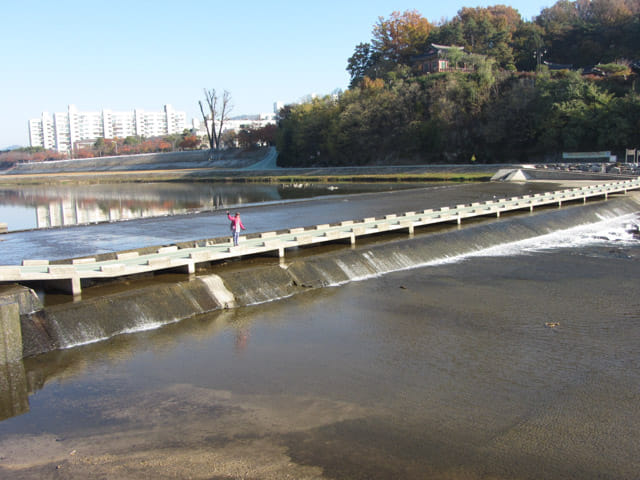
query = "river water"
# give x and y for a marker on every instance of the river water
(46, 206)
(517, 362)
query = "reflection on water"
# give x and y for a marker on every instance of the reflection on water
(13, 390)
(45, 206)
(447, 372)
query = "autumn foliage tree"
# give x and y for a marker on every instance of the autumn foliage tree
(395, 41)
(189, 142)
(29, 154)
(401, 36)
(255, 136)
(510, 106)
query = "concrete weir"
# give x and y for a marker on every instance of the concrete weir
(93, 319)
(69, 276)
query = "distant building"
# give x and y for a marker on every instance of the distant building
(239, 122)
(439, 59)
(61, 131)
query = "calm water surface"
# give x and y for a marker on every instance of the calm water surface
(45, 206)
(523, 366)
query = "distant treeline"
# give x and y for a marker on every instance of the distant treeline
(566, 81)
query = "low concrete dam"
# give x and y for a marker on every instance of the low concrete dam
(91, 320)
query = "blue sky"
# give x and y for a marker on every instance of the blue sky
(142, 54)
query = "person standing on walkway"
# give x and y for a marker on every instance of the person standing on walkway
(236, 226)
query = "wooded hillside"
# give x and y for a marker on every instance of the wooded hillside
(529, 90)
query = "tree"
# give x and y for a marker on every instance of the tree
(189, 142)
(100, 146)
(487, 31)
(401, 36)
(215, 115)
(361, 63)
(528, 46)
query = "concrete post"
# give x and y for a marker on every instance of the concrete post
(14, 396)
(10, 333)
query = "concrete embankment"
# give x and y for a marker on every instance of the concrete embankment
(150, 161)
(90, 320)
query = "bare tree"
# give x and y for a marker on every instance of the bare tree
(215, 114)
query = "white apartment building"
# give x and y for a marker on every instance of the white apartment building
(61, 131)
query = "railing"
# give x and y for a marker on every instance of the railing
(68, 276)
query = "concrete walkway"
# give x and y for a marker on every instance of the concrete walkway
(185, 258)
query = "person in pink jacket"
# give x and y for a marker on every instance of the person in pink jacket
(236, 226)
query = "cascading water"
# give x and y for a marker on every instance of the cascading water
(92, 320)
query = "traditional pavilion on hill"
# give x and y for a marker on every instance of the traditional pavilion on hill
(441, 58)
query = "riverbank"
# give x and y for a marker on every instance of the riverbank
(329, 175)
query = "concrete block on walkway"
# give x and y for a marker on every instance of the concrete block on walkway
(127, 255)
(112, 268)
(304, 239)
(83, 261)
(159, 262)
(200, 256)
(62, 271)
(34, 263)
(169, 249)
(333, 234)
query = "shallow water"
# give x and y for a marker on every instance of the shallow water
(522, 365)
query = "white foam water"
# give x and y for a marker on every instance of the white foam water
(142, 325)
(621, 231)
(618, 231)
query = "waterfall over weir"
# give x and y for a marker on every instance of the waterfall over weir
(68, 325)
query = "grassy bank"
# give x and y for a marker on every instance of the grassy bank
(426, 177)
(239, 176)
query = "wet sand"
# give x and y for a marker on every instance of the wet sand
(496, 367)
